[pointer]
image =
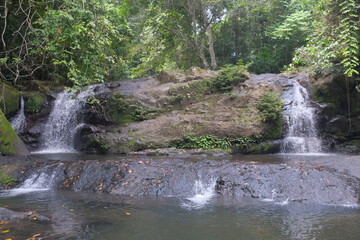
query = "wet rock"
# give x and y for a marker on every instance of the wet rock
(175, 177)
(9, 215)
(9, 99)
(10, 143)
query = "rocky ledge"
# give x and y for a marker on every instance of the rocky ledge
(280, 180)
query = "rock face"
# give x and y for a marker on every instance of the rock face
(9, 99)
(154, 112)
(9, 215)
(145, 113)
(10, 143)
(342, 133)
(290, 181)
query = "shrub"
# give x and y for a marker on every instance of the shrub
(209, 141)
(230, 76)
(270, 107)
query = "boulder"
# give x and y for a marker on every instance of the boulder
(9, 99)
(233, 115)
(10, 143)
(9, 215)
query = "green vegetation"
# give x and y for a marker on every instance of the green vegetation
(9, 99)
(7, 136)
(5, 178)
(209, 141)
(228, 77)
(270, 107)
(120, 110)
(82, 42)
(34, 102)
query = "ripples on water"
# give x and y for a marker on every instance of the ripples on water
(201, 215)
(100, 216)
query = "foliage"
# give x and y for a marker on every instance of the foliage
(192, 92)
(270, 107)
(209, 141)
(34, 102)
(72, 42)
(226, 80)
(230, 76)
(83, 40)
(335, 41)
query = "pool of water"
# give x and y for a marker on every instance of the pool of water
(100, 216)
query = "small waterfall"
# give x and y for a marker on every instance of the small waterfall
(203, 192)
(19, 122)
(302, 136)
(63, 122)
(43, 179)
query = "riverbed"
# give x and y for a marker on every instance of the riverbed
(202, 212)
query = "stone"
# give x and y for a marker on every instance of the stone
(10, 143)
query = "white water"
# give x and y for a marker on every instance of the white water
(42, 180)
(63, 122)
(302, 136)
(203, 193)
(18, 122)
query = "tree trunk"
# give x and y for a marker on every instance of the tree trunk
(213, 63)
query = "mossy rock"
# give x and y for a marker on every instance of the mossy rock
(334, 93)
(122, 110)
(34, 102)
(5, 177)
(260, 148)
(9, 99)
(10, 143)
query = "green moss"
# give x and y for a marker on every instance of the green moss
(5, 178)
(8, 136)
(34, 102)
(9, 99)
(270, 107)
(226, 80)
(121, 111)
(259, 148)
(193, 92)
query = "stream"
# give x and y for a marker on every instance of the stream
(199, 213)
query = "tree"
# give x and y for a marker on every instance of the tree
(73, 42)
(176, 30)
(335, 40)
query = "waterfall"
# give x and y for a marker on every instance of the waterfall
(18, 122)
(203, 193)
(63, 122)
(43, 179)
(302, 136)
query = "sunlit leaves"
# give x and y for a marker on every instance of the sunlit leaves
(85, 40)
(335, 39)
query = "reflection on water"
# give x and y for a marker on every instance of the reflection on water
(100, 216)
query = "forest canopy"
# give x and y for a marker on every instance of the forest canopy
(79, 42)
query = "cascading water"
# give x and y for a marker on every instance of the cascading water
(203, 192)
(44, 179)
(19, 122)
(302, 136)
(63, 122)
